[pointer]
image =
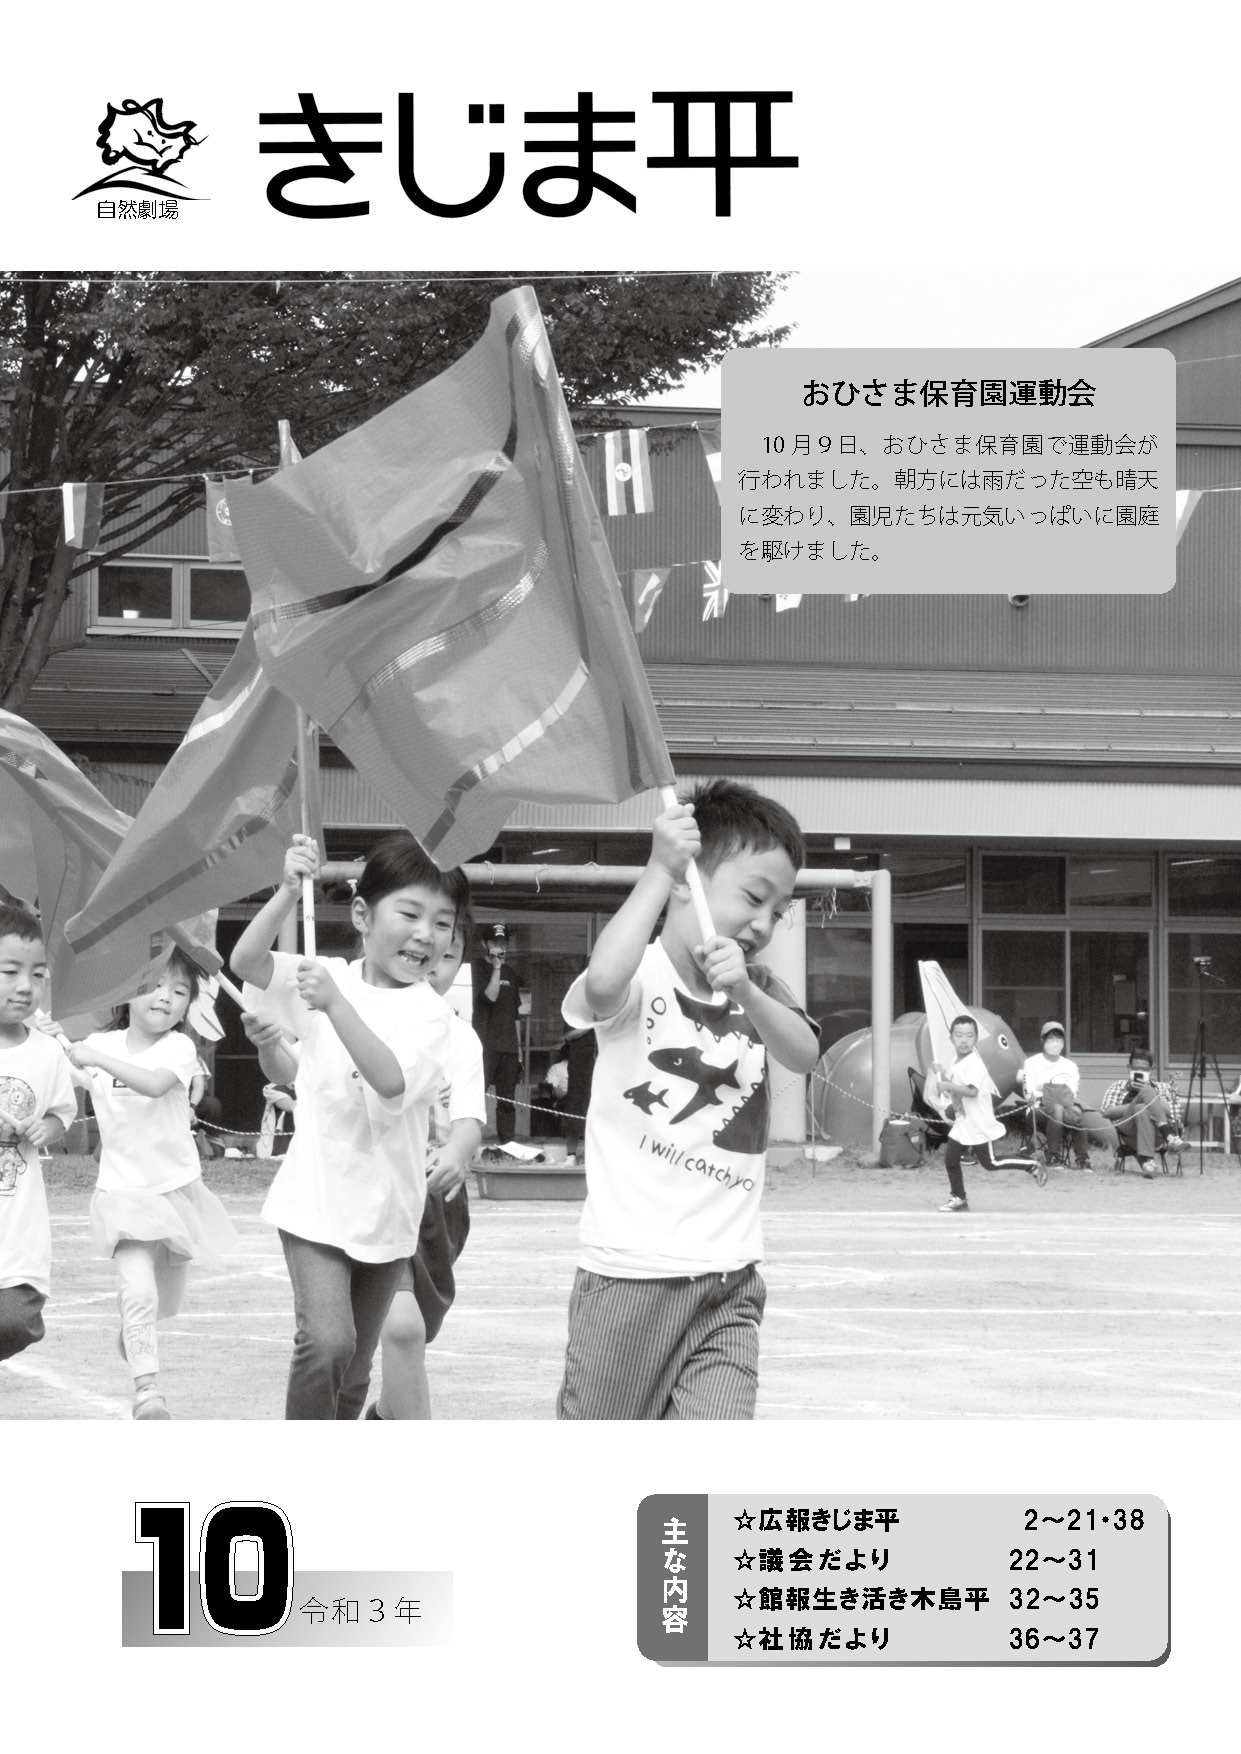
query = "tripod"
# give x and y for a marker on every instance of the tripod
(1198, 1070)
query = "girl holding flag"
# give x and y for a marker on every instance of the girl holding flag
(348, 1197)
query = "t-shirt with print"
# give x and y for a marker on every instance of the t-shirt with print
(676, 1130)
(463, 1095)
(144, 1141)
(975, 1122)
(34, 1080)
(354, 1176)
(1039, 1071)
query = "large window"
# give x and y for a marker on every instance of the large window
(147, 596)
(1109, 984)
(838, 979)
(1023, 980)
(1204, 978)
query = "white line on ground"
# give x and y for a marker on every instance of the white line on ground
(52, 1379)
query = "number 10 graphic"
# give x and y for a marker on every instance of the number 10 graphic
(165, 1527)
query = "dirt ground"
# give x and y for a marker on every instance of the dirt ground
(1097, 1296)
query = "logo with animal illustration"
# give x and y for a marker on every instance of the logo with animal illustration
(143, 147)
(706, 1070)
(16, 1107)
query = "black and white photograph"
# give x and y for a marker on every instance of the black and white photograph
(498, 936)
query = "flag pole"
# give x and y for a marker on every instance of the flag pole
(307, 763)
(702, 912)
(186, 944)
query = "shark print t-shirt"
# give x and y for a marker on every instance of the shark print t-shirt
(676, 1131)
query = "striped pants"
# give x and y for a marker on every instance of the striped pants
(663, 1348)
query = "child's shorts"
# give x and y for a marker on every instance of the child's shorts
(663, 1348)
(189, 1219)
(21, 1318)
(429, 1273)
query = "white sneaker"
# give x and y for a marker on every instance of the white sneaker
(149, 1403)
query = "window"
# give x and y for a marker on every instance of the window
(1023, 980)
(1204, 979)
(838, 980)
(1022, 883)
(1110, 986)
(174, 594)
(1204, 885)
(1101, 880)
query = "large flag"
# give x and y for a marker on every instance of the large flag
(60, 833)
(215, 825)
(434, 589)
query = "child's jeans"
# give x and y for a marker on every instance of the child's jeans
(340, 1305)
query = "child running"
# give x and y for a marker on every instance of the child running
(348, 1196)
(150, 1211)
(971, 1088)
(36, 1105)
(666, 1303)
(427, 1287)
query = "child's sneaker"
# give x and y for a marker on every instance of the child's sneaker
(149, 1403)
(956, 1205)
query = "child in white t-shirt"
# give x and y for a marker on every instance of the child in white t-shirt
(150, 1211)
(975, 1128)
(36, 1105)
(666, 1304)
(348, 1197)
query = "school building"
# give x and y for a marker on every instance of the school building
(1052, 783)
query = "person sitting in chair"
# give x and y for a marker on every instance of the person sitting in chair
(1050, 1081)
(1145, 1111)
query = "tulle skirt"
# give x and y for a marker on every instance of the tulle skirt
(189, 1219)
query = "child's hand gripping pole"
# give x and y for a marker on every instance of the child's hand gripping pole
(697, 894)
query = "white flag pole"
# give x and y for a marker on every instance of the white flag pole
(307, 765)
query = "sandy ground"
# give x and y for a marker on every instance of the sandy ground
(1097, 1296)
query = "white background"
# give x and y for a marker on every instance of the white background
(967, 180)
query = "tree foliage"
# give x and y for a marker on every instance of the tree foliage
(136, 379)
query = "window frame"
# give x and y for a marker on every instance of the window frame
(180, 625)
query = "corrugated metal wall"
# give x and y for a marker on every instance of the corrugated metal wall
(1193, 629)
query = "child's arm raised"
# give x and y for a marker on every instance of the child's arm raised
(251, 959)
(153, 1081)
(374, 1059)
(785, 1033)
(620, 946)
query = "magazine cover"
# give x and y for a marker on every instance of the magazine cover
(617, 700)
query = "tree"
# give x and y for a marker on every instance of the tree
(142, 379)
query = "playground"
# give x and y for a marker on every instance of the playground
(1098, 1296)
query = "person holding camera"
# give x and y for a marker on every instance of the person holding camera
(1144, 1111)
(500, 998)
